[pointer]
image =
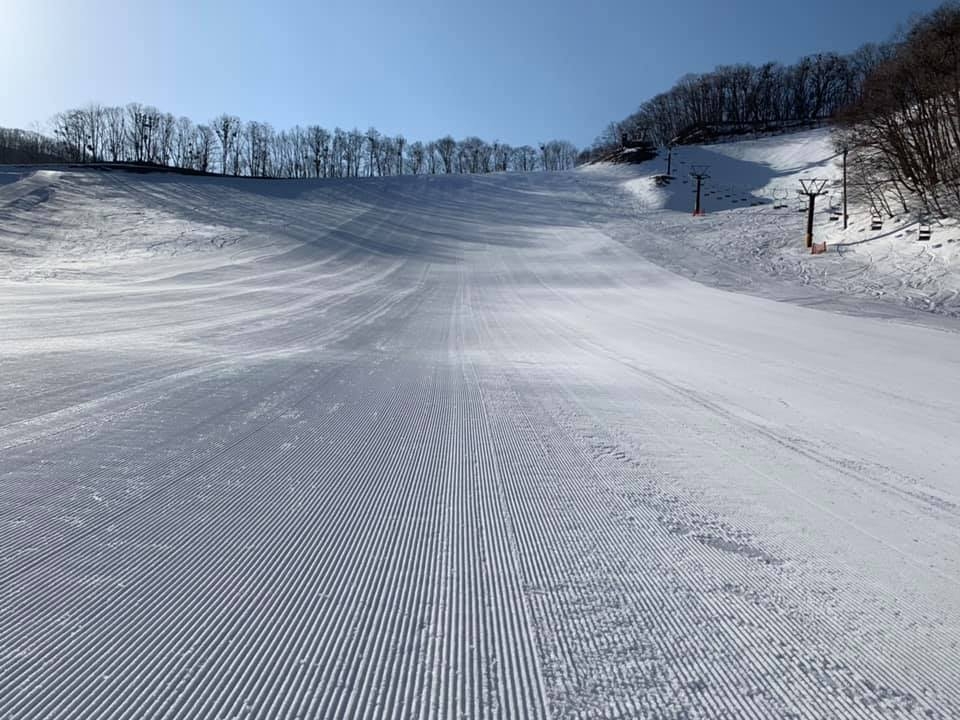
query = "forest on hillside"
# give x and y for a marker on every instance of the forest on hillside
(25, 147)
(902, 132)
(894, 108)
(815, 88)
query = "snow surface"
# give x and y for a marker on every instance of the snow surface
(448, 447)
(743, 242)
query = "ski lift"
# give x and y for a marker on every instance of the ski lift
(779, 198)
(834, 208)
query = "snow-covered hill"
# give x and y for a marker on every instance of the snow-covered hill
(449, 447)
(745, 241)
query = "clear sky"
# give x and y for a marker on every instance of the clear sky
(519, 71)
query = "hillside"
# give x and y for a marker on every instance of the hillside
(745, 242)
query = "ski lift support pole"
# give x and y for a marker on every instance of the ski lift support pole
(811, 188)
(700, 173)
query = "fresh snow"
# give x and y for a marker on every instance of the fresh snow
(471, 446)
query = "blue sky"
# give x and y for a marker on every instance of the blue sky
(519, 72)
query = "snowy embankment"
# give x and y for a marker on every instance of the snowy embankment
(746, 241)
(449, 447)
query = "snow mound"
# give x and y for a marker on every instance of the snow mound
(68, 224)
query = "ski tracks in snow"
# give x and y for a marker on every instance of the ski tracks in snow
(438, 448)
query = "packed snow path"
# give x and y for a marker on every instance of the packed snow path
(445, 448)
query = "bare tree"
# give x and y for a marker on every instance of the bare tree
(417, 158)
(115, 133)
(355, 142)
(339, 166)
(204, 145)
(432, 157)
(70, 129)
(94, 127)
(525, 158)
(373, 145)
(226, 128)
(184, 150)
(318, 141)
(502, 153)
(400, 142)
(446, 147)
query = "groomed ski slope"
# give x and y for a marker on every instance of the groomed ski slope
(448, 447)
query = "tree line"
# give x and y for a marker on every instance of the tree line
(25, 147)
(903, 132)
(227, 145)
(814, 88)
